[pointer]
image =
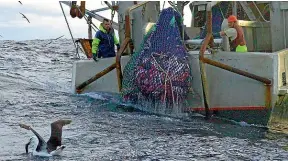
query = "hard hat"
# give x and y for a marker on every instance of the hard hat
(232, 18)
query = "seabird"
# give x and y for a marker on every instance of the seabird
(58, 37)
(20, 2)
(24, 17)
(53, 39)
(50, 148)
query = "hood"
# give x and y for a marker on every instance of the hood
(101, 28)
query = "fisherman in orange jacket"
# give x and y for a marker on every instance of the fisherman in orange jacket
(235, 34)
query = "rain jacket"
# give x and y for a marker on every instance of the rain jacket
(103, 43)
(239, 39)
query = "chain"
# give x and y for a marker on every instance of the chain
(112, 15)
(229, 8)
(89, 20)
(143, 10)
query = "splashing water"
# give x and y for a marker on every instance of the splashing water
(35, 90)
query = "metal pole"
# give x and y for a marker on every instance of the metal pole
(93, 25)
(234, 11)
(89, 27)
(94, 15)
(208, 40)
(284, 22)
(69, 28)
(86, 18)
(237, 71)
(100, 9)
(80, 88)
(108, 4)
(118, 62)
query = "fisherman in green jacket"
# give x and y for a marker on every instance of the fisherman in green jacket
(104, 40)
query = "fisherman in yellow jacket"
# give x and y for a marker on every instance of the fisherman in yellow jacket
(104, 40)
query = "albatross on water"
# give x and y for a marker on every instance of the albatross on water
(50, 148)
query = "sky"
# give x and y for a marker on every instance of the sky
(47, 20)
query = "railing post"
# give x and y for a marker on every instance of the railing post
(202, 60)
(118, 62)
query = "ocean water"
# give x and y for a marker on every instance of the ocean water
(35, 83)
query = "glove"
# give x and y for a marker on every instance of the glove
(95, 57)
(118, 47)
(217, 34)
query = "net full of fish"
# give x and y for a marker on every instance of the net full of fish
(160, 70)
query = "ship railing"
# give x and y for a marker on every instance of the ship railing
(116, 64)
(202, 60)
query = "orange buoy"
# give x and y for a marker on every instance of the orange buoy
(82, 9)
(73, 9)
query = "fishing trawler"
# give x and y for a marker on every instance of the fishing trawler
(249, 87)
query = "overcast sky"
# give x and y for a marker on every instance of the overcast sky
(47, 20)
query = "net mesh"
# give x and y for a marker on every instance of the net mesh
(159, 72)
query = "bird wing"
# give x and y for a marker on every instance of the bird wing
(24, 17)
(26, 147)
(48, 43)
(27, 19)
(41, 142)
(22, 14)
(58, 37)
(56, 134)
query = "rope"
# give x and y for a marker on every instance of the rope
(94, 26)
(259, 12)
(143, 11)
(266, 41)
(85, 17)
(267, 5)
(167, 76)
(163, 5)
(175, 8)
(69, 29)
(112, 15)
(185, 3)
(221, 10)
